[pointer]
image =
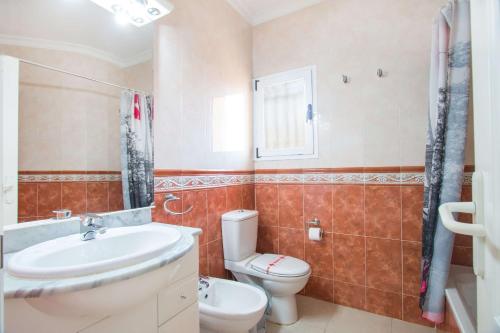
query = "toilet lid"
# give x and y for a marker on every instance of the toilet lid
(279, 265)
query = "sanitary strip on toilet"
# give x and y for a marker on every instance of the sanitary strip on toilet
(275, 261)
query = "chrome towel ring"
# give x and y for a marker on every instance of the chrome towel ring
(171, 197)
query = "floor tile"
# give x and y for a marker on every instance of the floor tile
(316, 316)
(313, 312)
(350, 320)
(298, 327)
(399, 326)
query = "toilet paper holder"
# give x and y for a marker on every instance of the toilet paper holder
(314, 222)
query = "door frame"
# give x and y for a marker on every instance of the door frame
(9, 107)
(485, 32)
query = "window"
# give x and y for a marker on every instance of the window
(284, 115)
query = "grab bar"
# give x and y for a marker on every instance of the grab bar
(446, 211)
(171, 197)
(476, 229)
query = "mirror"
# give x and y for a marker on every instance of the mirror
(69, 126)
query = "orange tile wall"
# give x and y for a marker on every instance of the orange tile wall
(208, 207)
(38, 200)
(370, 255)
(369, 258)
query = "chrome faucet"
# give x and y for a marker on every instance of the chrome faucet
(90, 227)
(203, 282)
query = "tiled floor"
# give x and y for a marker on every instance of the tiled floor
(321, 317)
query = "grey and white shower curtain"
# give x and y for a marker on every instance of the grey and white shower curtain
(136, 129)
(446, 137)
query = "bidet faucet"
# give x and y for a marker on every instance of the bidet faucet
(90, 227)
(203, 282)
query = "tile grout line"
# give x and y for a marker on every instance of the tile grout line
(304, 233)
(365, 303)
(278, 216)
(86, 195)
(400, 147)
(107, 191)
(60, 196)
(332, 206)
(401, 249)
(37, 200)
(206, 236)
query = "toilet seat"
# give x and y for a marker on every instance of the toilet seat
(279, 265)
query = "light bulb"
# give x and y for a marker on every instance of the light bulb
(153, 11)
(117, 8)
(121, 18)
(138, 20)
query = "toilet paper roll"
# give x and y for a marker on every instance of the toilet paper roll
(315, 234)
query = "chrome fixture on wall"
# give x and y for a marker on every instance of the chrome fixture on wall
(62, 214)
(171, 197)
(314, 230)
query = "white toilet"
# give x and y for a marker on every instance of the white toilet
(281, 276)
(229, 306)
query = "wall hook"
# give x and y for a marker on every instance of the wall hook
(380, 72)
(345, 79)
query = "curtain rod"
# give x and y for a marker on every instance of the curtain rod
(80, 76)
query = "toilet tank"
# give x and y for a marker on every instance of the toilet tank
(239, 234)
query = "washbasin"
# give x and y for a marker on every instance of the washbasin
(69, 257)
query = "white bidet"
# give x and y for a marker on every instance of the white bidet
(229, 306)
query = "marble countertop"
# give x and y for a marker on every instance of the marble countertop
(25, 288)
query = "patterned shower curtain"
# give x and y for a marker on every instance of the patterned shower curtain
(446, 136)
(136, 128)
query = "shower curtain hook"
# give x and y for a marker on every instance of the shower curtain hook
(380, 72)
(345, 79)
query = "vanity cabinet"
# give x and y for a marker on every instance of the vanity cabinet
(173, 309)
(176, 298)
(186, 321)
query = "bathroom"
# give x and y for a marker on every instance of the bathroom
(230, 166)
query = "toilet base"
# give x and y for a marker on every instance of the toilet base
(283, 310)
(207, 330)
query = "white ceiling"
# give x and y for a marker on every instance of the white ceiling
(260, 11)
(74, 25)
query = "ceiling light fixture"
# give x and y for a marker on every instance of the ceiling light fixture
(121, 18)
(153, 11)
(136, 12)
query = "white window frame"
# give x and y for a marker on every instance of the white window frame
(309, 73)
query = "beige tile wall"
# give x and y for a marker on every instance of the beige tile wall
(370, 121)
(67, 123)
(203, 51)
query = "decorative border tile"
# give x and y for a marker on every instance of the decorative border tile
(414, 178)
(317, 178)
(382, 178)
(347, 178)
(49, 178)
(171, 183)
(468, 178)
(164, 184)
(168, 183)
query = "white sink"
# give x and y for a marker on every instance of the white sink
(69, 257)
